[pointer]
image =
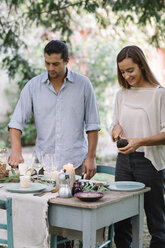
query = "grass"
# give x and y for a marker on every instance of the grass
(146, 235)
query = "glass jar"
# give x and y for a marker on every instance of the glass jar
(3, 155)
(3, 162)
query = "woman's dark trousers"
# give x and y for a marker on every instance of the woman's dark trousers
(135, 167)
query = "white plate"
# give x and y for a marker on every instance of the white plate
(34, 187)
(77, 177)
(126, 186)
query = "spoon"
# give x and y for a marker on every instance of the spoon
(45, 192)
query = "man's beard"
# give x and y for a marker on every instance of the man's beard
(54, 75)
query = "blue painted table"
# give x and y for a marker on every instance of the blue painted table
(87, 217)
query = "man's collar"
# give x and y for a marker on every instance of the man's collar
(68, 77)
(45, 78)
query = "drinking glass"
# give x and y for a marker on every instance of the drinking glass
(50, 167)
(36, 164)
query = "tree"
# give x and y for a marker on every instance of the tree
(147, 14)
(18, 17)
(56, 15)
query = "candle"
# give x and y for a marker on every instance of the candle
(24, 181)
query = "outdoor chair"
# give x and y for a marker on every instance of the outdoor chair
(107, 170)
(54, 243)
(7, 206)
(108, 244)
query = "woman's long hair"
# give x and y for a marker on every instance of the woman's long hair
(138, 57)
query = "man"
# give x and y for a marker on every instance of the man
(64, 107)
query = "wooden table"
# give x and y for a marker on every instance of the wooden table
(88, 217)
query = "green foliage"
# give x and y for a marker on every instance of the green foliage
(98, 56)
(29, 135)
(16, 64)
(19, 17)
(101, 66)
(147, 14)
(4, 134)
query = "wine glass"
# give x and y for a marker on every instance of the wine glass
(49, 165)
(36, 164)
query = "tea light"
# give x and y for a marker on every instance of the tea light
(25, 181)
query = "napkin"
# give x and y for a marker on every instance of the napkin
(30, 219)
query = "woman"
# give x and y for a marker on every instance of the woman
(139, 117)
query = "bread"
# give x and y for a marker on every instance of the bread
(3, 171)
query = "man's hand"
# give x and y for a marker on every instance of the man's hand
(90, 162)
(133, 144)
(117, 131)
(16, 149)
(89, 167)
(14, 159)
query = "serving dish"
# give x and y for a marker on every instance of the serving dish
(89, 196)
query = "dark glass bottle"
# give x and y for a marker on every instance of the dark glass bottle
(121, 142)
(77, 187)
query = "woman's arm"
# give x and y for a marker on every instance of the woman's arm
(116, 131)
(134, 143)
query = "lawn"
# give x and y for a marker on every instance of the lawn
(146, 236)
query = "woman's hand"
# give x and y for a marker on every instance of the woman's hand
(116, 131)
(133, 145)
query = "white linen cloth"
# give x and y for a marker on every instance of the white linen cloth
(30, 219)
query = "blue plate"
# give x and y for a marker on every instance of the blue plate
(34, 187)
(126, 186)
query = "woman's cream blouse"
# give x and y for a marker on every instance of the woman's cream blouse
(141, 113)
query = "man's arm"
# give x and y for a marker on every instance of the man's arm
(90, 162)
(16, 149)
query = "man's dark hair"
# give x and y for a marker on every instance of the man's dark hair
(57, 46)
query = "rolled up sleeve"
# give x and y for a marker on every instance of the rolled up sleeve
(92, 120)
(22, 110)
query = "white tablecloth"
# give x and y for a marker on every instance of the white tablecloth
(30, 219)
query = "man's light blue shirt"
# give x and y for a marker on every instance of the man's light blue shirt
(61, 119)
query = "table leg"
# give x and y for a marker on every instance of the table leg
(137, 225)
(89, 229)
